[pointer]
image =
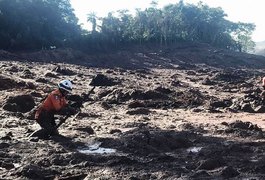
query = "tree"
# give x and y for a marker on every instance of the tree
(28, 24)
(242, 36)
(92, 18)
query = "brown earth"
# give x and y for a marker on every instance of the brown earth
(169, 119)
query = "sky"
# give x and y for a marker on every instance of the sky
(248, 11)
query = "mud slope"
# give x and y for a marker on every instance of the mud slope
(185, 122)
(144, 57)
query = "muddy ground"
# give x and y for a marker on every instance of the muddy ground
(183, 122)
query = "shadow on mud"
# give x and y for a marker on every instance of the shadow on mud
(144, 152)
(184, 154)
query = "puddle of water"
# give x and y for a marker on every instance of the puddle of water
(194, 149)
(95, 149)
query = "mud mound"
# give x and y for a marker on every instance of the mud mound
(243, 129)
(121, 95)
(146, 141)
(158, 98)
(7, 83)
(190, 98)
(64, 71)
(21, 103)
(231, 77)
(102, 80)
(27, 74)
(251, 102)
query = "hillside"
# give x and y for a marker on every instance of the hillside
(184, 112)
(144, 57)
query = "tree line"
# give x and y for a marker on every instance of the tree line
(40, 24)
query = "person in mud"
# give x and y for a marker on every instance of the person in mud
(55, 103)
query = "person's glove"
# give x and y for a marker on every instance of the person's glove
(68, 111)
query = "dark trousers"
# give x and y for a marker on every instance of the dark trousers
(47, 122)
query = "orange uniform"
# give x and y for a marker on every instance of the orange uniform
(53, 103)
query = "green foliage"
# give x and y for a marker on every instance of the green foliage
(36, 24)
(31, 24)
(176, 23)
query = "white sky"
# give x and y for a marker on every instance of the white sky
(250, 11)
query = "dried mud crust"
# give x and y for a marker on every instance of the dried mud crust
(162, 124)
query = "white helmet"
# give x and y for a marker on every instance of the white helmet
(65, 85)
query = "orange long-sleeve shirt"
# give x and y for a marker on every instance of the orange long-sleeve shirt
(54, 102)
